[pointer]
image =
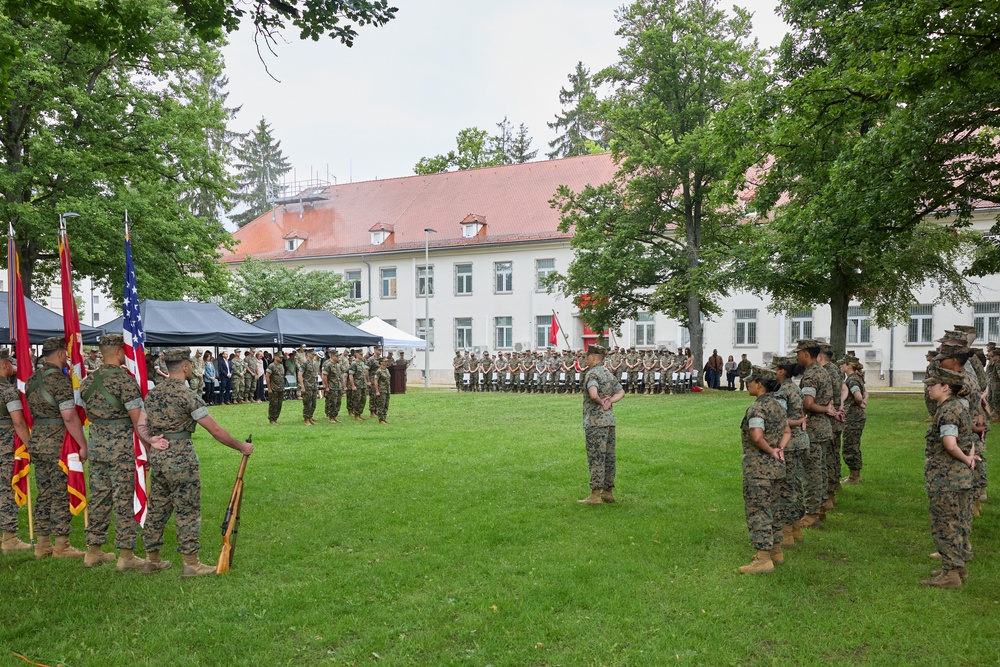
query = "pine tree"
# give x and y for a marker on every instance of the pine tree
(261, 164)
(579, 121)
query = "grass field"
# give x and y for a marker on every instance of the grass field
(453, 537)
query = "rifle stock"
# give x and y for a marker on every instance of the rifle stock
(231, 521)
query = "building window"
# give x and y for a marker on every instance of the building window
(463, 333)
(504, 277)
(292, 244)
(379, 237)
(388, 279)
(986, 317)
(353, 280)
(644, 330)
(746, 326)
(97, 298)
(425, 333)
(543, 330)
(95, 318)
(859, 325)
(463, 279)
(425, 281)
(391, 323)
(921, 325)
(469, 231)
(543, 269)
(802, 324)
(504, 327)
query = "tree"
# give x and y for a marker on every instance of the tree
(579, 121)
(261, 164)
(256, 288)
(476, 148)
(99, 131)
(655, 239)
(880, 120)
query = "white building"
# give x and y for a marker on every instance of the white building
(494, 235)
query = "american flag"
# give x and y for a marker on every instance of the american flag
(135, 362)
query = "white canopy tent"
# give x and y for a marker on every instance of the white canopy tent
(391, 336)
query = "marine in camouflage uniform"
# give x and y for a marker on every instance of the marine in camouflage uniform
(791, 488)
(372, 363)
(275, 376)
(380, 384)
(993, 382)
(816, 392)
(931, 367)
(356, 386)
(599, 426)
(744, 368)
(174, 412)
(457, 363)
(50, 397)
(197, 380)
(249, 376)
(632, 365)
(333, 381)
(854, 420)
(11, 421)
(832, 455)
(238, 369)
(92, 361)
(308, 373)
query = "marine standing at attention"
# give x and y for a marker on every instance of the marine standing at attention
(601, 392)
(380, 384)
(274, 377)
(333, 384)
(308, 372)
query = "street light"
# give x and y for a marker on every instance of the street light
(427, 307)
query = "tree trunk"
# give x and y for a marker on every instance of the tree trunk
(838, 322)
(692, 233)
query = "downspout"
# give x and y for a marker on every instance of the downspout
(365, 262)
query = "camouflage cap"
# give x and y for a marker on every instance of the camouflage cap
(777, 361)
(760, 373)
(953, 338)
(806, 344)
(931, 353)
(93, 348)
(112, 340)
(951, 351)
(54, 344)
(597, 349)
(964, 328)
(177, 354)
(944, 376)
(279, 355)
(5, 355)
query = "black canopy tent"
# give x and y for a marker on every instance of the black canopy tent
(42, 323)
(314, 327)
(190, 323)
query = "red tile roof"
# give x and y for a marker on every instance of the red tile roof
(513, 198)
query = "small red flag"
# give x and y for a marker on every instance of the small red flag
(553, 340)
(69, 458)
(22, 351)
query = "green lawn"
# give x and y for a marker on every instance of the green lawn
(453, 537)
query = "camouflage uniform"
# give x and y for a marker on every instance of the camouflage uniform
(91, 363)
(457, 364)
(372, 365)
(334, 384)
(816, 383)
(49, 391)
(160, 365)
(832, 455)
(854, 422)
(356, 398)
(275, 389)
(928, 403)
(744, 368)
(310, 388)
(109, 393)
(632, 373)
(599, 428)
(948, 483)
(761, 472)
(993, 382)
(173, 411)
(381, 380)
(238, 368)
(791, 488)
(249, 377)
(974, 399)
(10, 401)
(197, 380)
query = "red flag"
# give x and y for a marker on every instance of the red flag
(69, 458)
(553, 340)
(135, 363)
(22, 352)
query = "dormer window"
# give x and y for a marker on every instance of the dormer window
(378, 237)
(380, 233)
(473, 225)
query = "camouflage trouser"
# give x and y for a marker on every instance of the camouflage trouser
(979, 479)
(357, 406)
(633, 381)
(759, 500)
(52, 515)
(601, 456)
(834, 468)
(332, 406)
(274, 400)
(851, 446)
(249, 384)
(950, 526)
(816, 475)
(382, 405)
(309, 402)
(8, 508)
(238, 387)
(112, 483)
(791, 489)
(371, 400)
(458, 381)
(174, 488)
(831, 461)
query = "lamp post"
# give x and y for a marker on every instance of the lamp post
(427, 307)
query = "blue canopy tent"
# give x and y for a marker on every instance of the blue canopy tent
(42, 323)
(169, 323)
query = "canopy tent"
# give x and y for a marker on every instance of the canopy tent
(191, 323)
(42, 323)
(314, 327)
(392, 336)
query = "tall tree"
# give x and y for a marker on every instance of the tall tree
(260, 166)
(655, 239)
(476, 148)
(97, 131)
(581, 134)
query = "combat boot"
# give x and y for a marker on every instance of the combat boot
(853, 478)
(777, 557)
(129, 561)
(194, 567)
(831, 501)
(43, 547)
(977, 508)
(963, 572)
(949, 579)
(96, 556)
(797, 531)
(787, 538)
(761, 564)
(607, 496)
(154, 564)
(308, 422)
(935, 556)
(593, 499)
(11, 543)
(810, 521)
(63, 549)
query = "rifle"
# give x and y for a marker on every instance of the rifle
(231, 522)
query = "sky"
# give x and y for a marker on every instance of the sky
(404, 90)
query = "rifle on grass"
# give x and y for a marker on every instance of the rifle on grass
(231, 522)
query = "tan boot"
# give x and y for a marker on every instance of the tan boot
(977, 508)
(607, 496)
(194, 567)
(853, 478)
(811, 521)
(949, 579)
(43, 547)
(154, 564)
(963, 572)
(96, 556)
(127, 560)
(593, 499)
(777, 557)
(761, 564)
(787, 538)
(797, 531)
(831, 501)
(11, 543)
(63, 549)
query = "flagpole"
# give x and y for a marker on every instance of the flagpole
(565, 335)
(31, 517)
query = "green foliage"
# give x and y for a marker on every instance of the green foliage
(99, 131)
(256, 288)
(477, 148)
(260, 166)
(579, 122)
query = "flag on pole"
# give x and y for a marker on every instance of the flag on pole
(135, 362)
(22, 352)
(553, 339)
(69, 458)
